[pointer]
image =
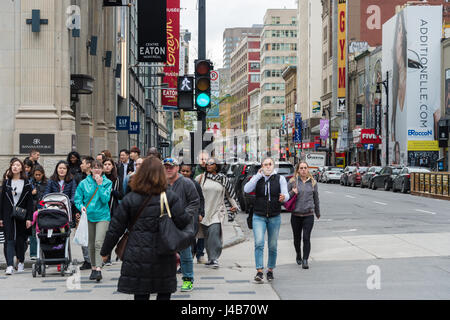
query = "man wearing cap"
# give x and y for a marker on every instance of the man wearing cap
(188, 194)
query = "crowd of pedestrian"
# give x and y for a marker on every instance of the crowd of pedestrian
(126, 195)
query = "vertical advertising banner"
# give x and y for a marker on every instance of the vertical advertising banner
(412, 56)
(172, 68)
(324, 128)
(152, 43)
(342, 56)
(298, 128)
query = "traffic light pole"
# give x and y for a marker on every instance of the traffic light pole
(201, 114)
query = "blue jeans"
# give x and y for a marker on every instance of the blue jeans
(260, 225)
(187, 264)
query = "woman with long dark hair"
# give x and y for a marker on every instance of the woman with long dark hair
(74, 161)
(143, 270)
(16, 192)
(62, 181)
(39, 182)
(110, 170)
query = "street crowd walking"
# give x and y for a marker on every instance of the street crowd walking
(126, 199)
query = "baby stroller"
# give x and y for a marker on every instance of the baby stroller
(53, 233)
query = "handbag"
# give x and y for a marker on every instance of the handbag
(172, 239)
(290, 204)
(82, 234)
(19, 213)
(121, 245)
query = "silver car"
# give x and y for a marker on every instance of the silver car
(333, 174)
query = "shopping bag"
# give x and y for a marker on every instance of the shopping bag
(81, 235)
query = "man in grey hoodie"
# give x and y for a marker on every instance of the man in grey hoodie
(185, 189)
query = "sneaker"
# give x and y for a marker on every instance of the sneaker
(179, 271)
(269, 276)
(98, 276)
(9, 270)
(20, 267)
(187, 286)
(33, 258)
(93, 275)
(259, 278)
(201, 260)
(214, 264)
(86, 266)
(108, 263)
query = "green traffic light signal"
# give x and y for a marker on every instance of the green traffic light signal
(203, 100)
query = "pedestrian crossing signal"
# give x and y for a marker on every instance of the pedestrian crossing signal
(186, 93)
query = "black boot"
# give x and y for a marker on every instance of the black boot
(305, 264)
(99, 276)
(299, 259)
(93, 275)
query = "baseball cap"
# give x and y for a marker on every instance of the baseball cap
(170, 161)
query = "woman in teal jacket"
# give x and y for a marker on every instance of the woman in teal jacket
(92, 198)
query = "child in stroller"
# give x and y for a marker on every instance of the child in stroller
(52, 223)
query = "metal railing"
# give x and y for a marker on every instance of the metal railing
(433, 184)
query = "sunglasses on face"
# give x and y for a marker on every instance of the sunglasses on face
(211, 163)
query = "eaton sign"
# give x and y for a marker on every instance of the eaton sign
(415, 133)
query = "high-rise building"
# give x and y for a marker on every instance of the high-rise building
(278, 50)
(231, 39)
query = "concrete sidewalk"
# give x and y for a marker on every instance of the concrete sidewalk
(230, 281)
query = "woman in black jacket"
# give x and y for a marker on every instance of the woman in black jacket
(16, 191)
(39, 182)
(110, 170)
(143, 270)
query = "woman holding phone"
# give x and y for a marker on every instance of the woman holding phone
(92, 198)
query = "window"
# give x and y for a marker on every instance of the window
(275, 20)
(255, 78)
(254, 66)
(325, 88)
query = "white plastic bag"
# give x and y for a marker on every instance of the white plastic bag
(81, 235)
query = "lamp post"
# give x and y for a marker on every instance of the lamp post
(328, 109)
(385, 84)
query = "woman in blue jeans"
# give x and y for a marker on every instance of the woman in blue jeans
(270, 191)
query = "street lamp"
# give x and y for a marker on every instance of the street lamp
(328, 109)
(385, 84)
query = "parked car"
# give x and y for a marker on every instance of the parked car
(354, 177)
(319, 173)
(366, 179)
(333, 174)
(403, 181)
(344, 178)
(283, 168)
(385, 177)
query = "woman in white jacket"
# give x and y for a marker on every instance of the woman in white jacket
(219, 195)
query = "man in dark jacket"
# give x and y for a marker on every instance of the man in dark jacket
(188, 194)
(199, 244)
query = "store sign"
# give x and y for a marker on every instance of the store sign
(152, 35)
(134, 128)
(44, 143)
(342, 56)
(368, 136)
(298, 128)
(122, 123)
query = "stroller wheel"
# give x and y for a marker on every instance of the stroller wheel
(33, 270)
(43, 270)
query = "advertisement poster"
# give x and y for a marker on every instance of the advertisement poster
(172, 68)
(412, 56)
(152, 43)
(342, 56)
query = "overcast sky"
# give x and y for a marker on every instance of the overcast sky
(222, 14)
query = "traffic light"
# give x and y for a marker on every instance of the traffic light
(203, 83)
(186, 93)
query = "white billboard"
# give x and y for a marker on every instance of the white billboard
(412, 56)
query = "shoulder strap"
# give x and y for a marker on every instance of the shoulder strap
(91, 198)
(141, 209)
(165, 203)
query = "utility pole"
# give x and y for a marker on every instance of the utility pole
(201, 114)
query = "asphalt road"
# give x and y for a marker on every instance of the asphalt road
(399, 239)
